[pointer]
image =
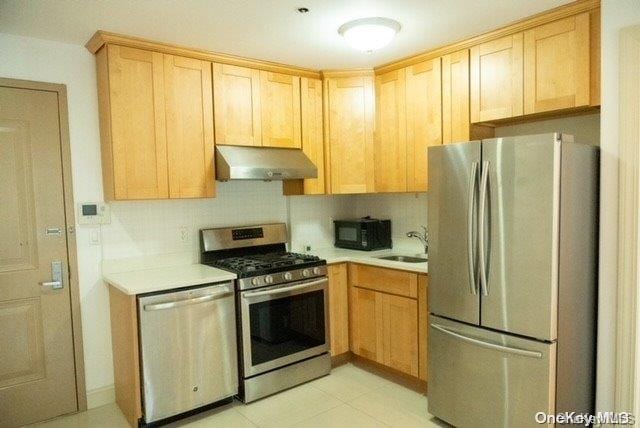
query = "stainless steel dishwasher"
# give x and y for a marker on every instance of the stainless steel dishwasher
(188, 349)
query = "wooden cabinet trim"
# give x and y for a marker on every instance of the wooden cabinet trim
(423, 326)
(101, 38)
(338, 308)
(455, 97)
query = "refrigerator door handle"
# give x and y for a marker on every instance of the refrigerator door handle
(484, 180)
(473, 179)
(488, 345)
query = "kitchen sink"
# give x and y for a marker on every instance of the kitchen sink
(406, 259)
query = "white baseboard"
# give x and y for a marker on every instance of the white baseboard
(101, 396)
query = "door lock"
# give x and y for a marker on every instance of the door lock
(56, 282)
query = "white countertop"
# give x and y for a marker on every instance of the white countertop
(166, 278)
(341, 255)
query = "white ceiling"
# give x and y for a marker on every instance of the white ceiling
(267, 29)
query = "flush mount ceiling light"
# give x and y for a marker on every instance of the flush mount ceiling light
(369, 34)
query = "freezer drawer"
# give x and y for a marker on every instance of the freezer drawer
(188, 349)
(481, 378)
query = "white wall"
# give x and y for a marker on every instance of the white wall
(407, 211)
(616, 14)
(584, 128)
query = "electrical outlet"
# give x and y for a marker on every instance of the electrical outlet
(184, 235)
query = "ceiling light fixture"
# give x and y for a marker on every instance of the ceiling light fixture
(369, 34)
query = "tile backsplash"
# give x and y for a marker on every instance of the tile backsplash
(143, 228)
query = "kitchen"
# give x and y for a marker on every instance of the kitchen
(116, 232)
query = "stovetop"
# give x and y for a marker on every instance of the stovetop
(261, 264)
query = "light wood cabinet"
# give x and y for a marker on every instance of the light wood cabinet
(385, 325)
(312, 139)
(399, 330)
(365, 318)
(338, 308)
(280, 105)
(156, 125)
(496, 79)
(256, 108)
(424, 119)
(455, 97)
(349, 121)
(423, 326)
(189, 122)
(132, 123)
(236, 98)
(557, 65)
(390, 150)
(392, 281)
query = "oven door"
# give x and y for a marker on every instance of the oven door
(284, 324)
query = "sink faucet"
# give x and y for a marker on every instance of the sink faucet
(422, 236)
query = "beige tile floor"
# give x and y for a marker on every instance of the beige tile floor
(349, 397)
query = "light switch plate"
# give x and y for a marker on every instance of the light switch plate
(93, 213)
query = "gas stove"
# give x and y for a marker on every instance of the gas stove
(257, 254)
(281, 307)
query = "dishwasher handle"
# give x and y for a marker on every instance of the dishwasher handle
(226, 291)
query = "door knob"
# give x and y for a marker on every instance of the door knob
(56, 282)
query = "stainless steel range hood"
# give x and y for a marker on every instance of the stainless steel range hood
(262, 163)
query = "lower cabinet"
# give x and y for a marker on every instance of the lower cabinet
(339, 309)
(387, 328)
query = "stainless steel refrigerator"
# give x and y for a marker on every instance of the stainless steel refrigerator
(512, 279)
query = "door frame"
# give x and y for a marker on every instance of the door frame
(69, 212)
(627, 381)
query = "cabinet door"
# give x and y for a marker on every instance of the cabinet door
(366, 323)
(399, 330)
(455, 97)
(189, 117)
(424, 120)
(391, 133)
(312, 132)
(338, 309)
(423, 326)
(496, 79)
(138, 140)
(556, 65)
(236, 97)
(350, 122)
(280, 104)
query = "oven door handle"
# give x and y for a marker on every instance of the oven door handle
(284, 289)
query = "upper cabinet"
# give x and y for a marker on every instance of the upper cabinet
(189, 122)
(255, 107)
(390, 151)
(496, 79)
(236, 95)
(557, 65)
(349, 121)
(312, 139)
(455, 97)
(424, 119)
(155, 124)
(280, 106)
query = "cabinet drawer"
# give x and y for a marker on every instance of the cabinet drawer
(384, 280)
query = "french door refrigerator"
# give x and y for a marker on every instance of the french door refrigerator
(512, 287)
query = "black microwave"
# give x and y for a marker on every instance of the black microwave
(363, 234)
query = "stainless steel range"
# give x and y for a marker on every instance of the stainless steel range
(281, 304)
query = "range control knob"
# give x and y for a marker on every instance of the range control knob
(316, 271)
(255, 281)
(306, 273)
(288, 276)
(268, 279)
